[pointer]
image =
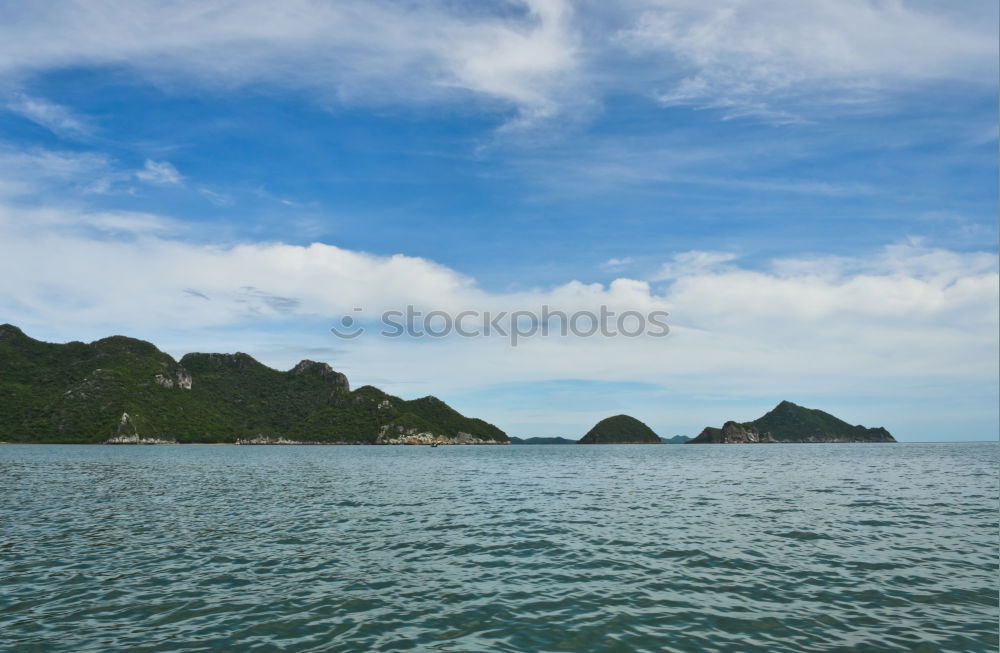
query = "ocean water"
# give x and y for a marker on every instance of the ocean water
(535, 548)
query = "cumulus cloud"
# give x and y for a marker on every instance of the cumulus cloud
(869, 324)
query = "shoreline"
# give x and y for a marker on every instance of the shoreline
(373, 444)
(262, 444)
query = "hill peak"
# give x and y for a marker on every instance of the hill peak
(125, 345)
(11, 332)
(323, 370)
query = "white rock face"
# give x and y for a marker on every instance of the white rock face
(393, 434)
(266, 439)
(184, 379)
(127, 434)
(137, 439)
(163, 380)
(181, 379)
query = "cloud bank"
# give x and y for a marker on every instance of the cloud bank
(540, 58)
(905, 314)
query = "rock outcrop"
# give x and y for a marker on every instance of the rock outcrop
(266, 439)
(395, 434)
(180, 379)
(324, 371)
(128, 434)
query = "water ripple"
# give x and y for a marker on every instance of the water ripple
(544, 548)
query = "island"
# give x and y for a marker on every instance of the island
(620, 429)
(791, 423)
(542, 440)
(677, 439)
(120, 390)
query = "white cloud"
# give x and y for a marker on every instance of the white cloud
(539, 57)
(27, 172)
(612, 263)
(215, 198)
(43, 173)
(58, 119)
(750, 58)
(129, 223)
(160, 173)
(522, 54)
(694, 262)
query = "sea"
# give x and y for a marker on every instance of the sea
(782, 547)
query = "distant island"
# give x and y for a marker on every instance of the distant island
(121, 390)
(555, 440)
(677, 439)
(788, 422)
(620, 429)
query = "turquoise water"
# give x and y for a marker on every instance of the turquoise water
(535, 548)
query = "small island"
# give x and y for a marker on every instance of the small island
(620, 429)
(791, 423)
(542, 440)
(677, 439)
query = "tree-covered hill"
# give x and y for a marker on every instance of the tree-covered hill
(620, 429)
(123, 389)
(788, 422)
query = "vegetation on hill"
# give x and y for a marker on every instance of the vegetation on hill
(124, 388)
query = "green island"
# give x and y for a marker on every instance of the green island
(121, 390)
(789, 422)
(620, 429)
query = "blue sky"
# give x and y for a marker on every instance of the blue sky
(809, 190)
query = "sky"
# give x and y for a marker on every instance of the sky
(809, 190)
